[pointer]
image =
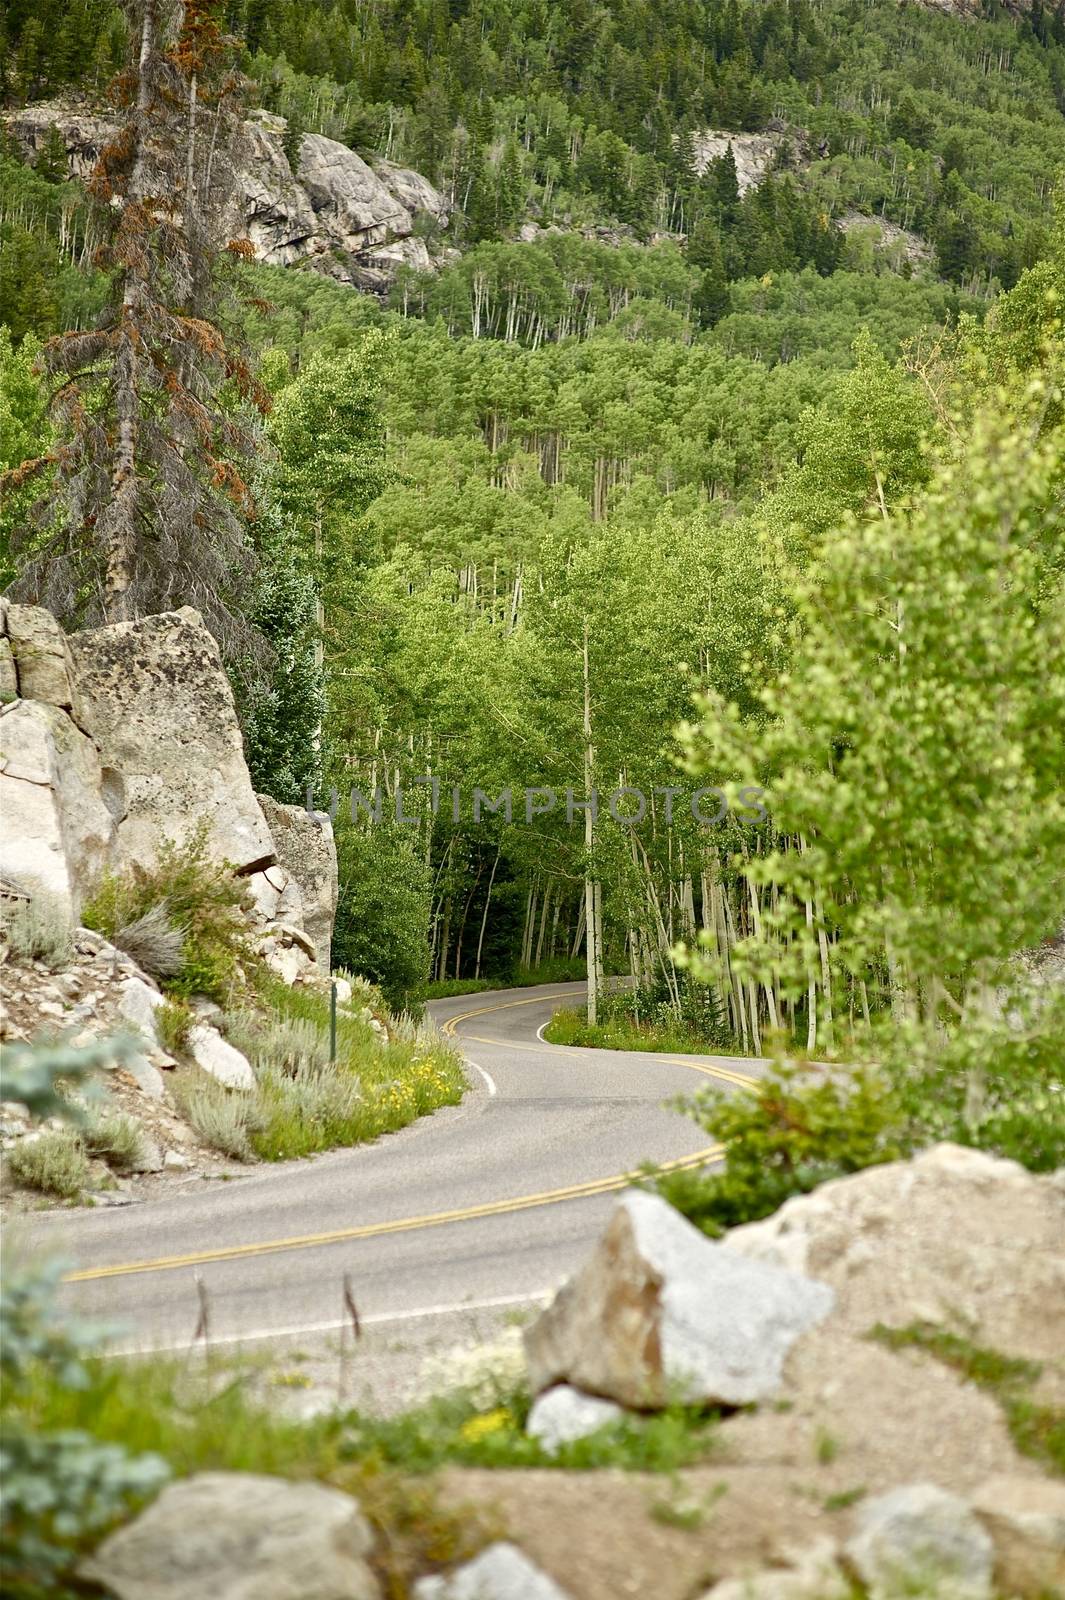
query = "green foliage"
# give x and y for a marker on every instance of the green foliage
(53, 1161)
(1038, 1430)
(455, 1429)
(798, 1127)
(173, 1019)
(38, 929)
(382, 919)
(651, 1019)
(201, 901)
(32, 1074)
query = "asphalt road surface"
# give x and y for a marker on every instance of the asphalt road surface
(483, 1205)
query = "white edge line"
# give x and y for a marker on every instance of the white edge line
(534, 1297)
(487, 1076)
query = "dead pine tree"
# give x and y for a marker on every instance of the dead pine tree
(147, 506)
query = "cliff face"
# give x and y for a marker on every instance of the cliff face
(339, 214)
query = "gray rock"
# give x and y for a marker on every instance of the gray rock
(327, 215)
(1026, 1520)
(158, 704)
(239, 1536)
(306, 850)
(814, 1574)
(39, 648)
(148, 1078)
(215, 1055)
(563, 1414)
(174, 1161)
(58, 833)
(917, 1536)
(502, 1572)
(659, 1313)
(8, 678)
(137, 1005)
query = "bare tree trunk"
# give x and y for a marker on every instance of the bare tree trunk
(484, 916)
(592, 896)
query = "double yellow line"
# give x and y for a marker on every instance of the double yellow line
(432, 1219)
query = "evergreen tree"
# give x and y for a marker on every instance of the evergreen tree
(150, 499)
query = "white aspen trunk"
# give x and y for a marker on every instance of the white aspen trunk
(592, 898)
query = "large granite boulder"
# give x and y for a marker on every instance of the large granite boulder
(660, 1313)
(58, 827)
(305, 849)
(239, 1536)
(156, 701)
(931, 1240)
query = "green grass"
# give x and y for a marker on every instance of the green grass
(451, 1429)
(570, 1026)
(1037, 1430)
(304, 1103)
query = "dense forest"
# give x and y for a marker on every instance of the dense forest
(694, 489)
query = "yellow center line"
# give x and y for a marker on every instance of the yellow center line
(433, 1219)
(372, 1230)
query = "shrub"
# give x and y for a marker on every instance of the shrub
(53, 1162)
(222, 1117)
(153, 941)
(38, 929)
(173, 1020)
(188, 891)
(309, 1108)
(796, 1128)
(279, 1043)
(117, 1139)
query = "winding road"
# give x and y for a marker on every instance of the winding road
(486, 1204)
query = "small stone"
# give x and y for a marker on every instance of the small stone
(148, 1078)
(563, 1414)
(216, 1056)
(174, 1161)
(137, 1005)
(920, 1535)
(502, 1572)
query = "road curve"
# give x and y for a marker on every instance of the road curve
(482, 1204)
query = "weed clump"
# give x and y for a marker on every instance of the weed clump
(38, 929)
(182, 916)
(53, 1162)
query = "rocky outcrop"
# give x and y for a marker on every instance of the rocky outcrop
(305, 850)
(125, 737)
(157, 704)
(660, 1313)
(754, 153)
(235, 1535)
(337, 214)
(58, 830)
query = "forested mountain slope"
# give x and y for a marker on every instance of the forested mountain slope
(583, 463)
